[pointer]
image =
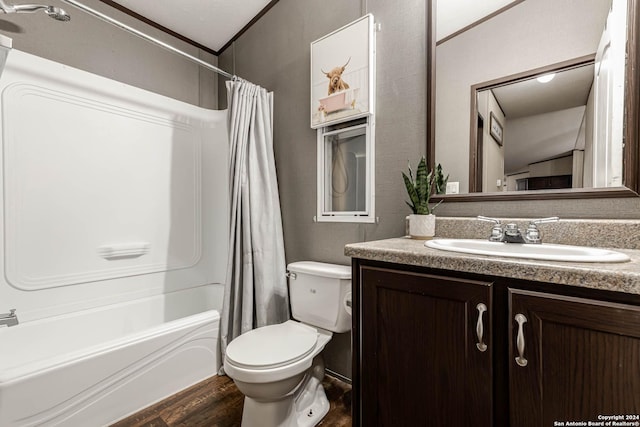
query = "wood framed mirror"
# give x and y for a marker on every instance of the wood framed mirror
(471, 167)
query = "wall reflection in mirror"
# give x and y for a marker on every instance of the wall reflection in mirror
(533, 98)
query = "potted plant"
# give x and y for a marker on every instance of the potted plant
(422, 223)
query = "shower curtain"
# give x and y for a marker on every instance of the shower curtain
(256, 289)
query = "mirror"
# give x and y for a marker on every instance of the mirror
(498, 142)
(536, 133)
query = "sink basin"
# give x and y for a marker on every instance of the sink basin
(543, 251)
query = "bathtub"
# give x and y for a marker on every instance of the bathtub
(94, 367)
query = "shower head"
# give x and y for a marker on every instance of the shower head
(55, 12)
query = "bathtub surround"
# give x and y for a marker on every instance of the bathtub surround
(92, 45)
(96, 366)
(120, 166)
(256, 288)
(110, 166)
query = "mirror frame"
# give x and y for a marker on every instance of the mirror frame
(631, 155)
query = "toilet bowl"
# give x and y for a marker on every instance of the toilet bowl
(279, 368)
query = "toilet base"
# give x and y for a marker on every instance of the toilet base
(311, 403)
(304, 407)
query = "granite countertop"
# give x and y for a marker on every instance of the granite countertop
(618, 277)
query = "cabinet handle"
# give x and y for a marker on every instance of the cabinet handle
(520, 360)
(479, 327)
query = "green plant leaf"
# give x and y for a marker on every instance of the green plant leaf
(437, 204)
(422, 181)
(411, 190)
(410, 171)
(426, 182)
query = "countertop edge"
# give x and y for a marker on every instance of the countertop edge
(617, 277)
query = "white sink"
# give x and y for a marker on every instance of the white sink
(543, 251)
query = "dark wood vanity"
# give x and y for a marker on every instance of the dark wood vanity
(437, 347)
(450, 340)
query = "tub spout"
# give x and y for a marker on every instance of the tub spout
(9, 319)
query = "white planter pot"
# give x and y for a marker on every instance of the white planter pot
(422, 227)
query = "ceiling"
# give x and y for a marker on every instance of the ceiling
(454, 15)
(211, 23)
(568, 89)
(552, 135)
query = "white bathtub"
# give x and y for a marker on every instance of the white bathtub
(94, 367)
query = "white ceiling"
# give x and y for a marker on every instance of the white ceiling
(212, 23)
(552, 135)
(454, 15)
(568, 89)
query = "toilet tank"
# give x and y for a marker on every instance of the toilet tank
(319, 293)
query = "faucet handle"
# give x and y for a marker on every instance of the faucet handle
(497, 234)
(12, 312)
(533, 234)
(486, 218)
(543, 220)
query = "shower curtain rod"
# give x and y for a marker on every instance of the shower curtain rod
(147, 37)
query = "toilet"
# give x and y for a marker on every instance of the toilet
(278, 367)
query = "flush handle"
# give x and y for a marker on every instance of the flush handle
(480, 327)
(520, 360)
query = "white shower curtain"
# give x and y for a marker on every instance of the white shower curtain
(256, 288)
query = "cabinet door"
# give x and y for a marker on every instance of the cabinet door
(422, 363)
(577, 359)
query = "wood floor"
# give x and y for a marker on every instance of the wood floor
(216, 402)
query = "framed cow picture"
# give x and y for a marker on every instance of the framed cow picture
(343, 74)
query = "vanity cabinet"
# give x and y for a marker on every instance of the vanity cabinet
(420, 357)
(572, 359)
(425, 349)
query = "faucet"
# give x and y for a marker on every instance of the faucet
(512, 234)
(9, 319)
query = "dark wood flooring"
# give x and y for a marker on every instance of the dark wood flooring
(217, 402)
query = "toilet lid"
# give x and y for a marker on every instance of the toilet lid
(272, 346)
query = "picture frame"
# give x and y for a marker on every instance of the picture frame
(495, 128)
(343, 74)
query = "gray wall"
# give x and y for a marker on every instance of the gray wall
(275, 53)
(95, 46)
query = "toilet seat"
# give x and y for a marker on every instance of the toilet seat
(272, 346)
